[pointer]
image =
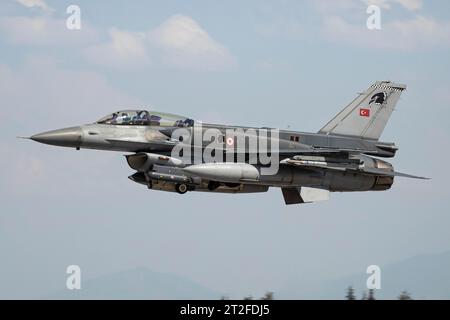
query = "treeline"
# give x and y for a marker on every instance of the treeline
(350, 295)
(370, 295)
(267, 296)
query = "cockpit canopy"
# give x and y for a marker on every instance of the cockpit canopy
(146, 118)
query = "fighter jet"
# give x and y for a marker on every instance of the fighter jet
(178, 154)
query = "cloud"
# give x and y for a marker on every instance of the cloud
(123, 50)
(326, 6)
(383, 4)
(48, 92)
(185, 44)
(418, 32)
(178, 42)
(411, 5)
(344, 22)
(44, 96)
(36, 4)
(44, 31)
(352, 7)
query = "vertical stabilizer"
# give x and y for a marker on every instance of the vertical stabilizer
(367, 115)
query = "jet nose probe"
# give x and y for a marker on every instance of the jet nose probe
(67, 137)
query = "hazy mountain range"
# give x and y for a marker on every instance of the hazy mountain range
(423, 276)
(139, 283)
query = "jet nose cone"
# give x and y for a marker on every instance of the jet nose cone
(68, 137)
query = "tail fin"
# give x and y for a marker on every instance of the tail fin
(367, 115)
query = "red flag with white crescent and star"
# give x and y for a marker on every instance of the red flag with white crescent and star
(364, 112)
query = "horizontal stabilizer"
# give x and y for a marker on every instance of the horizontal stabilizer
(382, 172)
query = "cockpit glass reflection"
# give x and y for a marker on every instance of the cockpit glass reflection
(146, 118)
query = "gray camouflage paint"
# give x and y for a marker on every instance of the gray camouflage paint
(337, 158)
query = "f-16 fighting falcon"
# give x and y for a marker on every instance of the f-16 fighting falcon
(177, 154)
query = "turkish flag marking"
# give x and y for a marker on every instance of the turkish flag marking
(364, 112)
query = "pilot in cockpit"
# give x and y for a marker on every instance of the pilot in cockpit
(114, 117)
(141, 118)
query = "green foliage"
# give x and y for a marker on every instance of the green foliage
(371, 295)
(268, 296)
(404, 295)
(350, 293)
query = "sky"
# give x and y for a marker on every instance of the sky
(284, 64)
